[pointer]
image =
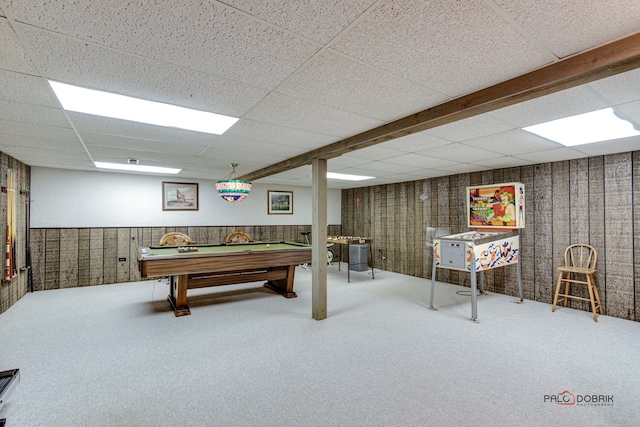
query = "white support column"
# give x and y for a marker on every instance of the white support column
(319, 240)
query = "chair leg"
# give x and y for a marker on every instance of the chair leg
(555, 297)
(591, 298)
(596, 294)
(567, 289)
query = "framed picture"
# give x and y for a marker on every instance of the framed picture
(280, 202)
(179, 196)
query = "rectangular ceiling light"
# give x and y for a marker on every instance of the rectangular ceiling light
(333, 175)
(136, 168)
(596, 126)
(74, 98)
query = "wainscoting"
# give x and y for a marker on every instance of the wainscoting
(71, 257)
(593, 200)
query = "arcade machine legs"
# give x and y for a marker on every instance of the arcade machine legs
(474, 288)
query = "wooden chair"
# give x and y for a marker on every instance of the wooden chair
(175, 238)
(238, 237)
(579, 268)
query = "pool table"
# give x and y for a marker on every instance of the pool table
(226, 264)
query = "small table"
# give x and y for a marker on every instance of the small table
(348, 241)
(215, 265)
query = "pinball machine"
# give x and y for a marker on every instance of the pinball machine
(496, 213)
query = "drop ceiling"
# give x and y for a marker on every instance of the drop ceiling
(301, 76)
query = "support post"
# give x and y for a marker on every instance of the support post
(319, 240)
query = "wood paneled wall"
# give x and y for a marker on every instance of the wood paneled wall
(71, 257)
(594, 200)
(12, 291)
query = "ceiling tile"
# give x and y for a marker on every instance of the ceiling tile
(32, 144)
(120, 155)
(29, 113)
(46, 160)
(459, 152)
(26, 89)
(345, 161)
(420, 161)
(247, 160)
(242, 145)
(389, 179)
(416, 142)
(339, 82)
(376, 152)
(619, 89)
(512, 142)
(311, 19)
(462, 168)
(95, 141)
(630, 111)
(565, 103)
(554, 155)
(572, 26)
(300, 175)
(275, 134)
(376, 169)
(507, 162)
(473, 127)
(14, 57)
(609, 147)
(294, 112)
(35, 130)
(401, 167)
(431, 39)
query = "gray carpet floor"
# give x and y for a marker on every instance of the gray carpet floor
(115, 355)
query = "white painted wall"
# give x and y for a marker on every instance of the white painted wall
(75, 199)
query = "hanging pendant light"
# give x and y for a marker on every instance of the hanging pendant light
(231, 188)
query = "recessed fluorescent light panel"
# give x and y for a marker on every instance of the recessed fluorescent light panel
(601, 125)
(136, 168)
(333, 175)
(89, 101)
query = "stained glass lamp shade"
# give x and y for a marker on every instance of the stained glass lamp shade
(231, 188)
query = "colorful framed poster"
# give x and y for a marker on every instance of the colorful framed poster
(280, 202)
(496, 206)
(179, 196)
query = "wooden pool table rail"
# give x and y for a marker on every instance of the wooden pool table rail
(195, 270)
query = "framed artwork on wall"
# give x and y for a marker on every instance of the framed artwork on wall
(179, 196)
(280, 202)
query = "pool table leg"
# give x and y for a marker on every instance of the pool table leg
(284, 286)
(178, 295)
